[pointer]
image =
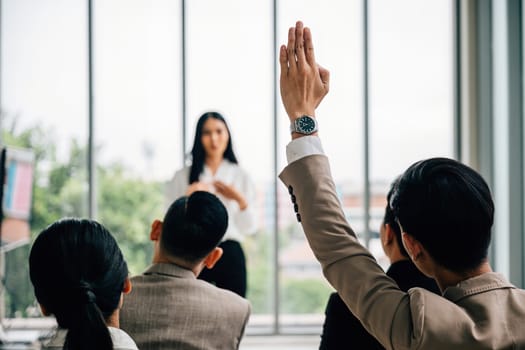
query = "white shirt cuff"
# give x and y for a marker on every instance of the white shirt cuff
(302, 147)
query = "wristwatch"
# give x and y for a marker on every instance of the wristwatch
(305, 125)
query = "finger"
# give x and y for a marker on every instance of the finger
(292, 65)
(283, 60)
(309, 47)
(299, 44)
(219, 186)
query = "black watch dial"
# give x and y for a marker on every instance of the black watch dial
(306, 125)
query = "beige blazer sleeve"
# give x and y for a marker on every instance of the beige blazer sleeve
(371, 295)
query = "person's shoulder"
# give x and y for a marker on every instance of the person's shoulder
(142, 285)
(138, 279)
(239, 170)
(448, 320)
(149, 277)
(225, 295)
(121, 340)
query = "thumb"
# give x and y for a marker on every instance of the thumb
(325, 77)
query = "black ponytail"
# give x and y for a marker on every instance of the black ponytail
(78, 274)
(88, 330)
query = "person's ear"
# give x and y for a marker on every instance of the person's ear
(389, 235)
(127, 286)
(412, 246)
(212, 258)
(156, 230)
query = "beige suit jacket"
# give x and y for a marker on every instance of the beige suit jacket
(169, 308)
(485, 312)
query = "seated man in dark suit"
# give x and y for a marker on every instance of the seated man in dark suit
(341, 329)
(169, 307)
(445, 212)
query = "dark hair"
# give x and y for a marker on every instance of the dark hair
(198, 154)
(390, 219)
(78, 274)
(193, 226)
(446, 206)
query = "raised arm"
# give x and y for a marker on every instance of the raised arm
(371, 295)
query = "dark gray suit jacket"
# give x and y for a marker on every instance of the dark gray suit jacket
(484, 312)
(169, 308)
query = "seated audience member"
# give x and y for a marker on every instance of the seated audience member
(341, 329)
(169, 307)
(79, 276)
(445, 212)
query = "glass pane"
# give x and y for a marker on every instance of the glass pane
(337, 31)
(137, 116)
(411, 91)
(230, 70)
(44, 108)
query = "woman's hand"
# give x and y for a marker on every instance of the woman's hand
(197, 186)
(231, 193)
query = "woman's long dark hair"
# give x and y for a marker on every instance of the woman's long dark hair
(198, 154)
(78, 274)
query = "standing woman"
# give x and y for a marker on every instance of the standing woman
(79, 275)
(214, 168)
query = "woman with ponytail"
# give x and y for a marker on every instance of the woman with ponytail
(79, 275)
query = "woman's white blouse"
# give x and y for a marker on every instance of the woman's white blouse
(240, 222)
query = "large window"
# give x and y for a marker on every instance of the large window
(229, 70)
(303, 289)
(44, 107)
(144, 107)
(137, 116)
(411, 95)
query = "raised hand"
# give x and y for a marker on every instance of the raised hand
(303, 82)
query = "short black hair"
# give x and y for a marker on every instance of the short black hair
(193, 226)
(448, 207)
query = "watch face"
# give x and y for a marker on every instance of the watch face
(306, 125)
